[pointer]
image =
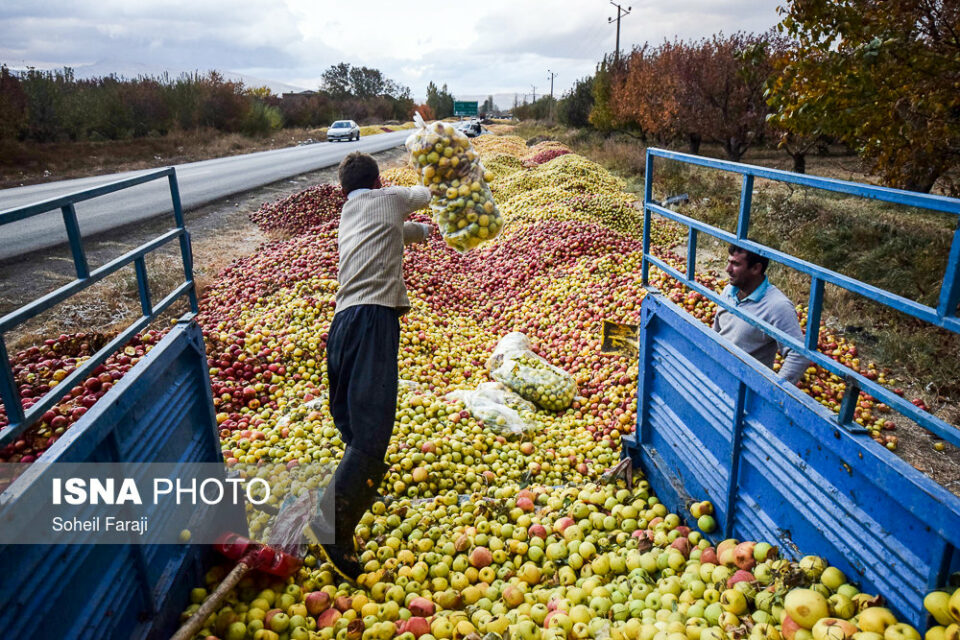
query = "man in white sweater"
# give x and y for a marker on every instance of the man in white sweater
(751, 291)
(362, 346)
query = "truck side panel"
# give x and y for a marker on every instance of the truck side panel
(715, 424)
(161, 411)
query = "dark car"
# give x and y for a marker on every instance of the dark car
(343, 130)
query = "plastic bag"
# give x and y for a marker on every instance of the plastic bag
(498, 408)
(408, 386)
(463, 207)
(515, 364)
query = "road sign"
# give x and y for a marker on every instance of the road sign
(466, 108)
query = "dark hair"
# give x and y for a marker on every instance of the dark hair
(752, 258)
(358, 171)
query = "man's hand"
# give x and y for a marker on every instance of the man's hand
(416, 232)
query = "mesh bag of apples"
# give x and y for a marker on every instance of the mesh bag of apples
(498, 408)
(515, 365)
(463, 207)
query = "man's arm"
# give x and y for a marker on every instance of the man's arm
(794, 364)
(414, 199)
(719, 309)
(414, 232)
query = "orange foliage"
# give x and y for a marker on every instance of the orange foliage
(711, 90)
(425, 111)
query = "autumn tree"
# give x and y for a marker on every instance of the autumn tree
(884, 77)
(312, 110)
(263, 93)
(710, 90)
(729, 78)
(425, 112)
(647, 94)
(223, 105)
(796, 132)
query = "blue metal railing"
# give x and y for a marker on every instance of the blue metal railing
(944, 315)
(19, 419)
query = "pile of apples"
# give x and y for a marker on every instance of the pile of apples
(39, 369)
(502, 164)
(302, 211)
(546, 145)
(509, 145)
(399, 176)
(553, 563)
(544, 156)
(944, 606)
(566, 203)
(544, 152)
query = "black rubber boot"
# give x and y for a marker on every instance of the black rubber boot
(343, 562)
(356, 487)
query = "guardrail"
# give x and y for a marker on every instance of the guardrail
(21, 414)
(944, 315)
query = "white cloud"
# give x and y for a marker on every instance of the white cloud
(498, 46)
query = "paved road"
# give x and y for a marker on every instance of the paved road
(200, 183)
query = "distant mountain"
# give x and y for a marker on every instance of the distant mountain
(131, 70)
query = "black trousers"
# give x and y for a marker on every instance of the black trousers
(362, 368)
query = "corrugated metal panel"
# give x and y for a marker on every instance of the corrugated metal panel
(161, 411)
(798, 480)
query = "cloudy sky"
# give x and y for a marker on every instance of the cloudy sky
(493, 46)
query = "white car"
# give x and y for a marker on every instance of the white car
(343, 130)
(471, 128)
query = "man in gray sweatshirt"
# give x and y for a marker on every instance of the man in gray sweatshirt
(751, 291)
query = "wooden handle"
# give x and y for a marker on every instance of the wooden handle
(195, 623)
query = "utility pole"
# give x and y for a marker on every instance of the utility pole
(534, 92)
(552, 103)
(620, 13)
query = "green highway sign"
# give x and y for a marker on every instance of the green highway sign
(466, 108)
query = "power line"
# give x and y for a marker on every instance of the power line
(620, 13)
